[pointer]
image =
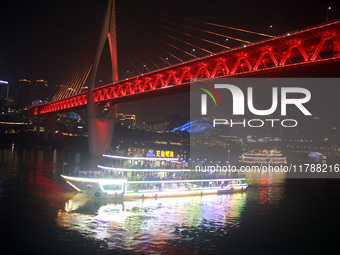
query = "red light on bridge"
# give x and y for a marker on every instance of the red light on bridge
(313, 47)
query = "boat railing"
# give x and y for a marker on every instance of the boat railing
(168, 166)
(177, 176)
(225, 184)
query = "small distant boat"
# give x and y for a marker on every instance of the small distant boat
(264, 157)
(316, 155)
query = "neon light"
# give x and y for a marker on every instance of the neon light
(102, 181)
(145, 191)
(264, 156)
(142, 170)
(119, 181)
(189, 189)
(180, 193)
(13, 123)
(169, 86)
(182, 181)
(208, 188)
(138, 158)
(263, 161)
(150, 153)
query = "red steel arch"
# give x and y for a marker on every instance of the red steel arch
(303, 50)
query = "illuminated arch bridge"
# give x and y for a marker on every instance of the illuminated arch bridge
(303, 52)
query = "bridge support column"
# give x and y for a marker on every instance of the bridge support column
(29, 120)
(50, 126)
(100, 127)
(37, 124)
(54, 125)
(100, 131)
(47, 126)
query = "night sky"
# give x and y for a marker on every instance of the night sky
(42, 39)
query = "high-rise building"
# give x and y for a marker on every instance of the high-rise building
(41, 90)
(25, 93)
(3, 93)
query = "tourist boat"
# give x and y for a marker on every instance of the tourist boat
(265, 157)
(126, 177)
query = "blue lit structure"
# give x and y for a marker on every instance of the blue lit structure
(200, 126)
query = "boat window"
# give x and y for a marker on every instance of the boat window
(109, 187)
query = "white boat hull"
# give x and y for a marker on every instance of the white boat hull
(98, 188)
(95, 188)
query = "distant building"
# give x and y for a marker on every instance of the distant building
(25, 93)
(41, 90)
(157, 126)
(29, 93)
(3, 93)
(127, 120)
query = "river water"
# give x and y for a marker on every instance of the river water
(41, 214)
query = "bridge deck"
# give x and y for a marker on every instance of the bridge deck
(299, 53)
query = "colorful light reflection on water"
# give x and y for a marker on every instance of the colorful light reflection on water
(134, 225)
(41, 214)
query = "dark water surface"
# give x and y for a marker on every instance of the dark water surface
(41, 214)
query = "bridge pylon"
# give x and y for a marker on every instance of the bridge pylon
(101, 126)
